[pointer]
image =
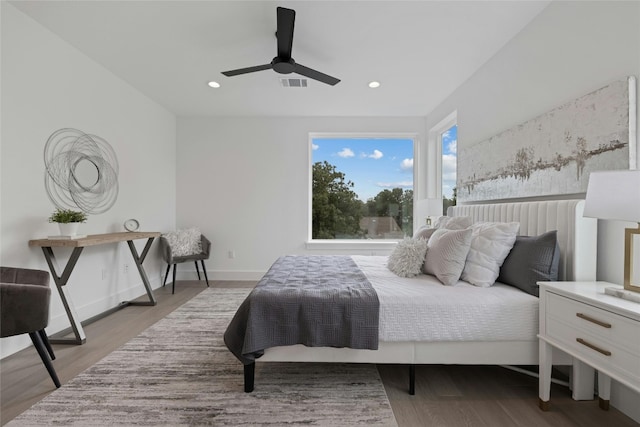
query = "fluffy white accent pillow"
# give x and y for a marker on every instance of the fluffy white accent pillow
(184, 242)
(407, 257)
(490, 244)
(446, 254)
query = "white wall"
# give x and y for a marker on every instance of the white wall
(569, 50)
(245, 182)
(48, 85)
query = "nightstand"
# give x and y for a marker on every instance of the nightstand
(600, 330)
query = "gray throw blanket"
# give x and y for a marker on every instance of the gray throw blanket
(318, 301)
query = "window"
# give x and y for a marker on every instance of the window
(449, 140)
(361, 187)
(441, 171)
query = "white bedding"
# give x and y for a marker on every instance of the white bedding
(423, 309)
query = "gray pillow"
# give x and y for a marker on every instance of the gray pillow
(532, 259)
(446, 254)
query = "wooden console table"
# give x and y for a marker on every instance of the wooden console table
(78, 245)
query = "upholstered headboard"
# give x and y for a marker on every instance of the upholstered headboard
(577, 236)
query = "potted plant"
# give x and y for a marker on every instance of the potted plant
(68, 220)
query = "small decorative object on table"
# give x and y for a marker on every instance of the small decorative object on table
(131, 225)
(68, 222)
(429, 209)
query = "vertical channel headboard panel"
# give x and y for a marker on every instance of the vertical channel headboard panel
(577, 236)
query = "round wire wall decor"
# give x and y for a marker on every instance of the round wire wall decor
(81, 171)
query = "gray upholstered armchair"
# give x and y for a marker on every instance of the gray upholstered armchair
(173, 257)
(24, 309)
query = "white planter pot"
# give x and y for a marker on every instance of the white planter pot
(68, 229)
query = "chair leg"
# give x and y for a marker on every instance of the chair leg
(166, 275)
(204, 270)
(197, 269)
(42, 351)
(47, 345)
(173, 288)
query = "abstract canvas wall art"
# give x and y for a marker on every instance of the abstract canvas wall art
(553, 153)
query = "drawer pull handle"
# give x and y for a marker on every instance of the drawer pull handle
(592, 320)
(593, 347)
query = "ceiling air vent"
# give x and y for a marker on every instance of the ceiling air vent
(288, 82)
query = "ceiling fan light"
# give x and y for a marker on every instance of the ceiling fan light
(374, 84)
(214, 84)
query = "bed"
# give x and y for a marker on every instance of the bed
(494, 325)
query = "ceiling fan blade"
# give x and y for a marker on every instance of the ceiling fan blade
(316, 75)
(239, 71)
(284, 33)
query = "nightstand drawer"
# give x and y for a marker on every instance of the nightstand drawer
(595, 350)
(594, 322)
(599, 330)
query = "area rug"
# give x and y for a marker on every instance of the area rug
(179, 372)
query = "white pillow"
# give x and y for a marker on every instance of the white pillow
(446, 254)
(490, 244)
(407, 257)
(424, 232)
(184, 242)
(446, 222)
(452, 222)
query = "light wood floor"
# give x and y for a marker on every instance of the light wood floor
(445, 395)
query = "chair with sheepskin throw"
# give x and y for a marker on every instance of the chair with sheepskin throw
(24, 309)
(182, 246)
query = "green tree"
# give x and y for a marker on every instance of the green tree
(394, 203)
(336, 209)
(450, 202)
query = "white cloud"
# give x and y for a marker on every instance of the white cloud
(314, 146)
(377, 154)
(453, 146)
(449, 167)
(401, 184)
(406, 164)
(346, 152)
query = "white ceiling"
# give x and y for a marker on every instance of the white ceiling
(420, 51)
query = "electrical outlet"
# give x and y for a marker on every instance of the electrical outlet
(125, 269)
(104, 273)
(232, 254)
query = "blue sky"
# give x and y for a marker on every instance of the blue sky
(373, 164)
(449, 157)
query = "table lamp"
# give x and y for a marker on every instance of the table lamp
(615, 195)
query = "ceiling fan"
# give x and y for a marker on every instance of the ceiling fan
(284, 63)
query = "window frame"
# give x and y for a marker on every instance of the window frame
(383, 245)
(435, 146)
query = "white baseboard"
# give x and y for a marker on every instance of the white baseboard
(59, 321)
(219, 275)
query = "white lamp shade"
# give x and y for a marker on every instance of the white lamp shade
(614, 195)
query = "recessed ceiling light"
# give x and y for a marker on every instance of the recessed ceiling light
(374, 84)
(214, 84)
